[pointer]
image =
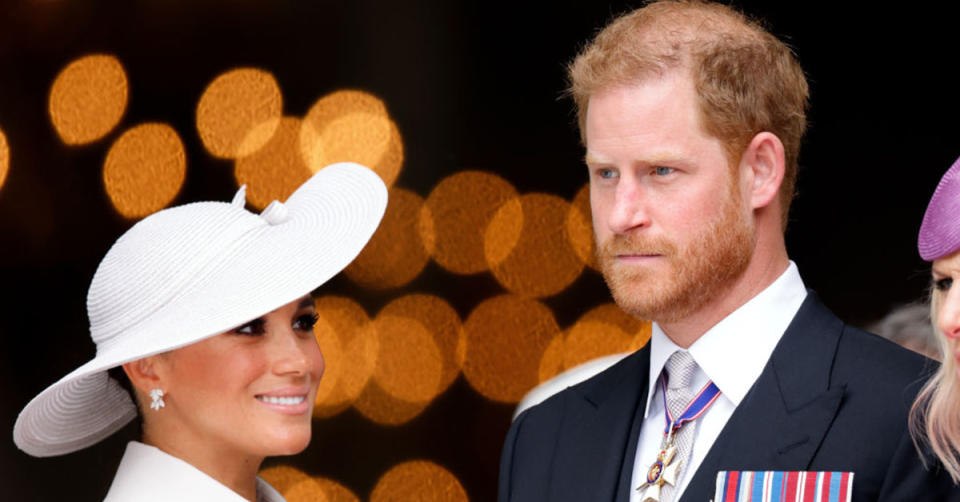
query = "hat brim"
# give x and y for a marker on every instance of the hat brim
(329, 220)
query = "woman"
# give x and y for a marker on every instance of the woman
(935, 417)
(203, 312)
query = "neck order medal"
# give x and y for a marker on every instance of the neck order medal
(663, 471)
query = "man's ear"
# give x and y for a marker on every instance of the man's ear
(764, 163)
(143, 374)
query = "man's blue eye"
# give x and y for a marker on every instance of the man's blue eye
(663, 171)
(607, 173)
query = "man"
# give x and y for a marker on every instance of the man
(692, 117)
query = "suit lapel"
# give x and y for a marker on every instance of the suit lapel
(597, 432)
(783, 418)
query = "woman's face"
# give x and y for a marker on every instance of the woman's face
(946, 282)
(249, 391)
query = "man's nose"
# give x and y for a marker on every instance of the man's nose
(629, 211)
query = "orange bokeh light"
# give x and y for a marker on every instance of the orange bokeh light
(580, 228)
(232, 106)
(145, 169)
(441, 321)
(461, 206)
(602, 331)
(319, 490)
(505, 338)
(88, 98)
(527, 247)
(350, 345)
(353, 126)
(274, 171)
(418, 480)
(420, 337)
(283, 477)
(4, 158)
(409, 364)
(297, 486)
(397, 252)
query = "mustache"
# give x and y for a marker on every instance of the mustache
(634, 244)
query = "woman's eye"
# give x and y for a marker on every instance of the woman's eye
(943, 284)
(306, 322)
(663, 171)
(254, 327)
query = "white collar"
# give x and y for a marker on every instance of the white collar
(148, 474)
(748, 336)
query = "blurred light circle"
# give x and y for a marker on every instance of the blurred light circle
(420, 356)
(580, 228)
(319, 490)
(441, 321)
(88, 98)
(506, 337)
(540, 262)
(602, 331)
(381, 407)
(144, 169)
(4, 158)
(274, 171)
(349, 367)
(367, 139)
(340, 103)
(298, 486)
(397, 252)
(283, 477)
(232, 106)
(352, 125)
(409, 364)
(420, 481)
(460, 207)
(553, 361)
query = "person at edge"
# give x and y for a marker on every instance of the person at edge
(692, 116)
(935, 417)
(203, 320)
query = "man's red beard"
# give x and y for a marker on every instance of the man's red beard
(699, 270)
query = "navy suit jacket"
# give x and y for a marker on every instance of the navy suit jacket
(831, 398)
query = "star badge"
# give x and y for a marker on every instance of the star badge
(662, 472)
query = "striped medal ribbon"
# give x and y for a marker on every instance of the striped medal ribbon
(784, 486)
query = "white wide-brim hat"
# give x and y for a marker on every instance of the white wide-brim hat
(187, 273)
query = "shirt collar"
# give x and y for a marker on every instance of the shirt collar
(748, 335)
(148, 473)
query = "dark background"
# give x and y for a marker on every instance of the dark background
(471, 85)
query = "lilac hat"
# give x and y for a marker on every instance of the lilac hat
(940, 230)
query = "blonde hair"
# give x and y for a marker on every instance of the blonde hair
(935, 415)
(747, 80)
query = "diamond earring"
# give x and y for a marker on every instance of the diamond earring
(156, 395)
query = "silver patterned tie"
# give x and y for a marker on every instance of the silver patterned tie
(680, 369)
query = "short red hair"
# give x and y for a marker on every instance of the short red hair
(747, 80)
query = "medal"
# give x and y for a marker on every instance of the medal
(664, 471)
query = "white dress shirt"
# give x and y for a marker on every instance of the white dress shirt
(732, 354)
(147, 474)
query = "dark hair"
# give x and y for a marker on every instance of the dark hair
(120, 376)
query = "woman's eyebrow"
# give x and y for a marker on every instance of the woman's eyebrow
(305, 302)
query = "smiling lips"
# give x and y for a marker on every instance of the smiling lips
(287, 403)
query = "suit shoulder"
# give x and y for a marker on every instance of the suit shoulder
(595, 388)
(870, 360)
